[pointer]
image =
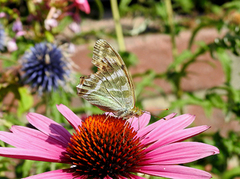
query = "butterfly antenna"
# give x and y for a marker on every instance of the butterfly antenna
(159, 117)
(155, 109)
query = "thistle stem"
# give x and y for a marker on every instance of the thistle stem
(118, 26)
(172, 28)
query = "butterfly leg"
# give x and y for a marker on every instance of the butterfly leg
(106, 118)
(124, 130)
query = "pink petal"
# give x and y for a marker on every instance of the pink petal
(136, 177)
(11, 139)
(49, 127)
(169, 126)
(152, 126)
(2, 14)
(170, 116)
(72, 118)
(141, 122)
(56, 174)
(75, 27)
(175, 171)
(179, 153)
(20, 33)
(121, 177)
(28, 142)
(83, 5)
(50, 23)
(35, 135)
(177, 136)
(12, 45)
(30, 154)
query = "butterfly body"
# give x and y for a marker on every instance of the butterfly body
(111, 87)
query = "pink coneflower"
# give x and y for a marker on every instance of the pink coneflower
(12, 45)
(18, 28)
(82, 5)
(110, 148)
(50, 23)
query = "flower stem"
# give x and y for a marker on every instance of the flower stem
(178, 90)
(51, 13)
(47, 97)
(118, 26)
(32, 10)
(4, 58)
(172, 28)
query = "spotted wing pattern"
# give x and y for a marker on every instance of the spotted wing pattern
(111, 87)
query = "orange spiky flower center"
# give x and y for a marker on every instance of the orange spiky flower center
(104, 146)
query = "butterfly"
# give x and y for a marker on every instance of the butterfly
(111, 87)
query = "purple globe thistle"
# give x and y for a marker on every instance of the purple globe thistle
(2, 37)
(17, 26)
(45, 67)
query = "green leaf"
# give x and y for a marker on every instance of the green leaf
(205, 23)
(7, 61)
(49, 36)
(99, 9)
(232, 5)
(54, 98)
(186, 6)
(124, 3)
(63, 23)
(42, 167)
(226, 63)
(185, 55)
(233, 173)
(124, 6)
(25, 102)
(27, 166)
(216, 100)
(146, 80)
(191, 99)
(129, 58)
(161, 10)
